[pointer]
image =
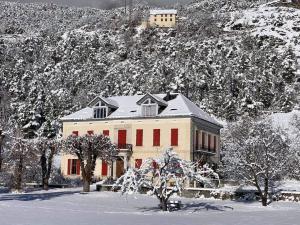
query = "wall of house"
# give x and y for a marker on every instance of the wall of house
(163, 20)
(139, 152)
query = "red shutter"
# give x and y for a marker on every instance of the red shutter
(90, 132)
(69, 167)
(121, 139)
(156, 137)
(203, 140)
(139, 137)
(209, 140)
(154, 164)
(106, 132)
(174, 137)
(104, 168)
(138, 163)
(78, 167)
(197, 140)
(75, 133)
(215, 143)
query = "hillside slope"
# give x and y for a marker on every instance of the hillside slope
(54, 59)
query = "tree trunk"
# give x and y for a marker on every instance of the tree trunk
(264, 200)
(86, 185)
(163, 203)
(18, 175)
(46, 183)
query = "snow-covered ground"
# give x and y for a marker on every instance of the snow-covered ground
(68, 206)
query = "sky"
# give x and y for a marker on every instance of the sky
(96, 3)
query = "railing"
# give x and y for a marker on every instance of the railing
(125, 146)
(205, 150)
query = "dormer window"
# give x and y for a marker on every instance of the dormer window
(100, 110)
(149, 108)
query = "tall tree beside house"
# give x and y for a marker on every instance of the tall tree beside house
(20, 157)
(164, 176)
(257, 153)
(46, 149)
(88, 149)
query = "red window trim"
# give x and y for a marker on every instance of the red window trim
(90, 132)
(75, 133)
(106, 132)
(138, 163)
(104, 169)
(174, 137)
(209, 142)
(69, 167)
(156, 137)
(139, 137)
(77, 167)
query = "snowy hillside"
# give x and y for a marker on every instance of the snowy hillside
(270, 22)
(229, 59)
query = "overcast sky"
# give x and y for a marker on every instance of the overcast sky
(94, 3)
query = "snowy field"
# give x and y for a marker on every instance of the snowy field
(68, 206)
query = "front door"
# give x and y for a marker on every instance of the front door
(119, 168)
(122, 139)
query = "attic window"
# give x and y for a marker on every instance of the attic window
(100, 110)
(149, 108)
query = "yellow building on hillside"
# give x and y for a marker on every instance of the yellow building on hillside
(143, 126)
(163, 18)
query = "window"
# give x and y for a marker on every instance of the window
(166, 19)
(139, 137)
(156, 137)
(197, 140)
(203, 140)
(90, 132)
(149, 108)
(209, 141)
(106, 132)
(162, 20)
(166, 15)
(138, 163)
(104, 168)
(215, 143)
(155, 15)
(171, 19)
(154, 19)
(100, 110)
(73, 167)
(174, 137)
(161, 15)
(75, 133)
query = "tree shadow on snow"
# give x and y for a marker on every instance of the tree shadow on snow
(201, 206)
(194, 207)
(37, 196)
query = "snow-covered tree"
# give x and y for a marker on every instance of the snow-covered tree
(46, 149)
(257, 153)
(165, 176)
(20, 157)
(88, 149)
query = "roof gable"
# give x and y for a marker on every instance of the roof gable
(154, 98)
(109, 102)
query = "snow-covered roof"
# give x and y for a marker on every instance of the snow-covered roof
(128, 107)
(163, 11)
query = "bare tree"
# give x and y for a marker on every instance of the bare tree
(164, 176)
(88, 149)
(258, 153)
